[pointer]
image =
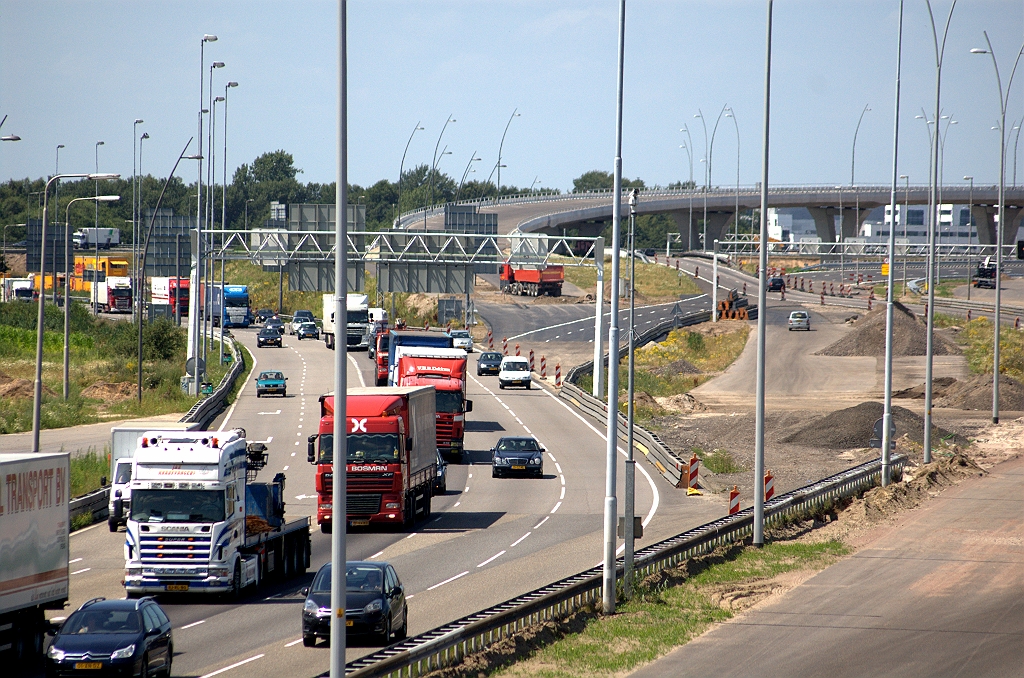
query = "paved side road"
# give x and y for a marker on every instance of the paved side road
(939, 594)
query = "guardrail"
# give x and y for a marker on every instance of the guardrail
(204, 409)
(94, 503)
(977, 306)
(448, 644)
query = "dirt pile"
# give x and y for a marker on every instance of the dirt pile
(682, 402)
(676, 367)
(976, 394)
(939, 387)
(852, 427)
(909, 336)
(110, 392)
(12, 388)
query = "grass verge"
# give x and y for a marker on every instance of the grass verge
(88, 470)
(718, 461)
(977, 338)
(653, 281)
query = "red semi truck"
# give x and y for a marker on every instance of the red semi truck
(391, 460)
(169, 290)
(531, 281)
(380, 357)
(445, 370)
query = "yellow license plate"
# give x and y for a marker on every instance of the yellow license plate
(518, 468)
(88, 665)
(348, 622)
(360, 523)
(177, 587)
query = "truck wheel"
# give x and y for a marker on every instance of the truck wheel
(427, 498)
(112, 524)
(308, 641)
(236, 582)
(529, 385)
(325, 528)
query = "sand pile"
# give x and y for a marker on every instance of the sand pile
(682, 402)
(12, 388)
(110, 392)
(676, 367)
(852, 428)
(939, 387)
(909, 336)
(975, 393)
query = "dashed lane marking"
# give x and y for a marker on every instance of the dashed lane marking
(188, 626)
(446, 581)
(517, 541)
(492, 558)
(541, 522)
(232, 666)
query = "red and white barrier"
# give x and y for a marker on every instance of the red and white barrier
(531, 360)
(543, 367)
(691, 473)
(558, 374)
(769, 485)
(823, 299)
(504, 345)
(517, 350)
(490, 340)
(734, 500)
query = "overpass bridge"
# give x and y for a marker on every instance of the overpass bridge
(830, 206)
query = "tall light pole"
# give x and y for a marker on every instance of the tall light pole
(224, 165)
(536, 178)
(338, 511)
(41, 317)
(401, 168)
(67, 284)
(853, 153)
(942, 165)
(612, 437)
(1003, 102)
(433, 165)
(515, 114)
(903, 221)
(689, 155)
(630, 503)
(970, 236)
(707, 179)
(891, 273)
(96, 233)
(465, 174)
(140, 279)
(732, 114)
(135, 220)
(934, 179)
(762, 296)
(8, 137)
(56, 199)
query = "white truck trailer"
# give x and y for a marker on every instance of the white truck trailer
(199, 523)
(89, 238)
(113, 295)
(34, 528)
(18, 289)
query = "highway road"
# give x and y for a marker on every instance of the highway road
(490, 539)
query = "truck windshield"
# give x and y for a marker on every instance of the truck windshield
(237, 302)
(120, 293)
(361, 317)
(448, 401)
(379, 447)
(178, 506)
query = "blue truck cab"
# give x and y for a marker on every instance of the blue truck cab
(412, 338)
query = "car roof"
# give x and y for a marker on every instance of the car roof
(798, 313)
(530, 438)
(513, 359)
(491, 355)
(116, 603)
(270, 372)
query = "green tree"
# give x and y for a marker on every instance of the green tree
(598, 180)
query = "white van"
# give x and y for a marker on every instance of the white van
(514, 371)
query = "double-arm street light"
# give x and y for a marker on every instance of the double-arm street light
(96, 233)
(41, 317)
(8, 137)
(1000, 229)
(853, 153)
(732, 114)
(67, 280)
(135, 201)
(689, 156)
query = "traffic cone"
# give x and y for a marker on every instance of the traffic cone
(734, 500)
(769, 485)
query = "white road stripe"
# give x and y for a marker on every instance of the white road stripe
(76, 560)
(188, 626)
(294, 642)
(377, 554)
(527, 429)
(456, 504)
(522, 538)
(86, 569)
(562, 495)
(232, 666)
(494, 557)
(286, 468)
(562, 478)
(557, 466)
(541, 522)
(556, 507)
(552, 458)
(411, 535)
(446, 581)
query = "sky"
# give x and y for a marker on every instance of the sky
(75, 73)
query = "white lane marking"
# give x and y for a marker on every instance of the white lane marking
(362, 382)
(520, 421)
(467, 489)
(562, 478)
(556, 507)
(541, 522)
(492, 393)
(294, 642)
(521, 538)
(513, 414)
(446, 581)
(293, 454)
(238, 397)
(525, 428)
(76, 560)
(411, 535)
(650, 481)
(188, 626)
(562, 495)
(470, 475)
(494, 557)
(410, 596)
(456, 504)
(286, 468)
(300, 425)
(297, 442)
(552, 458)
(85, 569)
(232, 666)
(376, 555)
(270, 439)
(558, 467)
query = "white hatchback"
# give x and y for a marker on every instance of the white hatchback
(514, 371)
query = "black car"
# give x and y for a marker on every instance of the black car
(489, 363)
(441, 475)
(517, 454)
(113, 638)
(374, 603)
(308, 330)
(776, 284)
(268, 336)
(274, 323)
(263, 314)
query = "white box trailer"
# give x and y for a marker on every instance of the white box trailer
(34, 530)
(123, 442)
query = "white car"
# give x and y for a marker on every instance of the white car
(462, 339)
(299, 318)
(514, 371)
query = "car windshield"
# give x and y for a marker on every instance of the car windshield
(303, 315)
(516, 366)
(357, 317)
(518, 445)
(178, 506)
(271, 376)
(363, 448)
(460, 334)
(358, 578)
(448, 401)
(489, 357)
(798, 315)
(102, 621)
(307, 326)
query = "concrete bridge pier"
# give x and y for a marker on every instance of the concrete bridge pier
(850, 220)
(985, 219)
(718, 228)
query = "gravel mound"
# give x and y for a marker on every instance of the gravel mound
(682, 402)
(110, 392)
(676, 367)
(939, 387)
(852, 428)
(11, 388)
(909, 336)
(976, 394)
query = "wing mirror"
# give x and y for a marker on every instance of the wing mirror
(408, 444)
(305, 591)
(469, 406)
(311, 449)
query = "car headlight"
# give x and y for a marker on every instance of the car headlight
(124, 652)
(374, 606)
(55, 654)
(535, 460)
(310, 606)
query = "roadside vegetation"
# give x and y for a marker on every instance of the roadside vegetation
(654, 282)
(88, 470)
(717, 461)
(102, 369)
(977, 339)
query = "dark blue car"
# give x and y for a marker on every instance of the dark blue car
(113, 638)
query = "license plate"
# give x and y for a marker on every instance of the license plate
(177, 587)
(518, 468)
(359, 523)
(348, 622)
(88, 665)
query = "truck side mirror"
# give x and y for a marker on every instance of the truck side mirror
(311, 449)
(408, 444)
(118, 507)
(469, 406)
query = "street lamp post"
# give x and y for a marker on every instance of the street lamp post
(401, 168)
(970, 236)
(903, 221)
(732, 114)
(140, 275)
(515, 114)
(135, 224)
(942, 162)
(433, 165)
(465, 174)
(689, 154)
(853, 153)
(96, 234)
(56, 200)
(630, 484)
(67, 283)
(41, 317)
(1003, 102)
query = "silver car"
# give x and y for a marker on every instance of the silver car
(799, 320)
(462, 339)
